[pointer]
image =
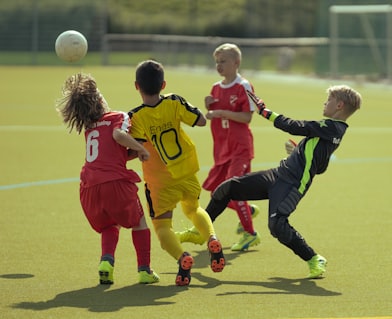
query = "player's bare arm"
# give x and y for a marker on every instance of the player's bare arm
(242, 117)
(126, 140)
(202, 121)
(208, 100)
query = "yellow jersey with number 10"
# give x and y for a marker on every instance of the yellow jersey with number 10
(173, 154)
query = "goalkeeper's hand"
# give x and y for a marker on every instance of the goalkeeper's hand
(262, 110)
(290, 146)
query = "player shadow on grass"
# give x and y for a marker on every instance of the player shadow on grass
(276, 285)
(102, 299)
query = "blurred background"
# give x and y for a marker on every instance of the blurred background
(326, 38)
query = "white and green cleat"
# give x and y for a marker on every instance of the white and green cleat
(247, 240)
(146, 277)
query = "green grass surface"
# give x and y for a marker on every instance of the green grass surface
(48, 267)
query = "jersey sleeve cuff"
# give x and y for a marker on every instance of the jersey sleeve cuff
(273, 116)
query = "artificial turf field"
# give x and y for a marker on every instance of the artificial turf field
(49, 254)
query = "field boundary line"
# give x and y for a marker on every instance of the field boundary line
(264, 165)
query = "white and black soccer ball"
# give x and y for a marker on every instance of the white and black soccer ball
(71, 46)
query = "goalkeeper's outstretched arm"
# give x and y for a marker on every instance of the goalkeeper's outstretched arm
(262, 109)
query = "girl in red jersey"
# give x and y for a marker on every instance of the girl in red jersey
(108, 191)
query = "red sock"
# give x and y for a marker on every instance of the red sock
(142, 243)
(243, 211)
(109, 240)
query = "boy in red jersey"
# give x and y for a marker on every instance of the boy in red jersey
(230, 111)
(108, 193)
(170, 173)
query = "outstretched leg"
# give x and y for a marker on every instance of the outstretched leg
(252, 186)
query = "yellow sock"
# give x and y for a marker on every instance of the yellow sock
(202, 221)
(167, 237)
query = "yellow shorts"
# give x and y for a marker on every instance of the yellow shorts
(164, 198)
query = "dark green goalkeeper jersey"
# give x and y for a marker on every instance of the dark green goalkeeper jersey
(312, 154)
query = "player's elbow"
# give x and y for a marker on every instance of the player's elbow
(201, 121)
(117, 135)
(247, 118)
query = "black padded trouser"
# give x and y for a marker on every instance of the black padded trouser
(283, 199)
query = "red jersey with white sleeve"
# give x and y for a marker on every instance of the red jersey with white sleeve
(232, 139)
(105, 158)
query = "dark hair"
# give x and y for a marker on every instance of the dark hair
(150, 77)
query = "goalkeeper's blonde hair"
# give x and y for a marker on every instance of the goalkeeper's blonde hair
(351, 98)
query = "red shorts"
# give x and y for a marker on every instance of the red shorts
(219, 173)
(111, 203)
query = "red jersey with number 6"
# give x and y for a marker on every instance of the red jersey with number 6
(106, 159)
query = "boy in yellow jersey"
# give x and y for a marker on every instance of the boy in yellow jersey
(170, 173)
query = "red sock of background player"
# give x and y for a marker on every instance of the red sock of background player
(244, 213)
(109, 240)
(142, 243)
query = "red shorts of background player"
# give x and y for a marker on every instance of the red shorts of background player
(111, 203)
(219, 173)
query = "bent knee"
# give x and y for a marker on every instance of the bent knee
(280, 229)
(223, 190)
(190, 208)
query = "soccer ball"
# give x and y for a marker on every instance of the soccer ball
(71, 46)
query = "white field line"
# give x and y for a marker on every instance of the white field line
(44, 128)
(261, 165)
(29, 128)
